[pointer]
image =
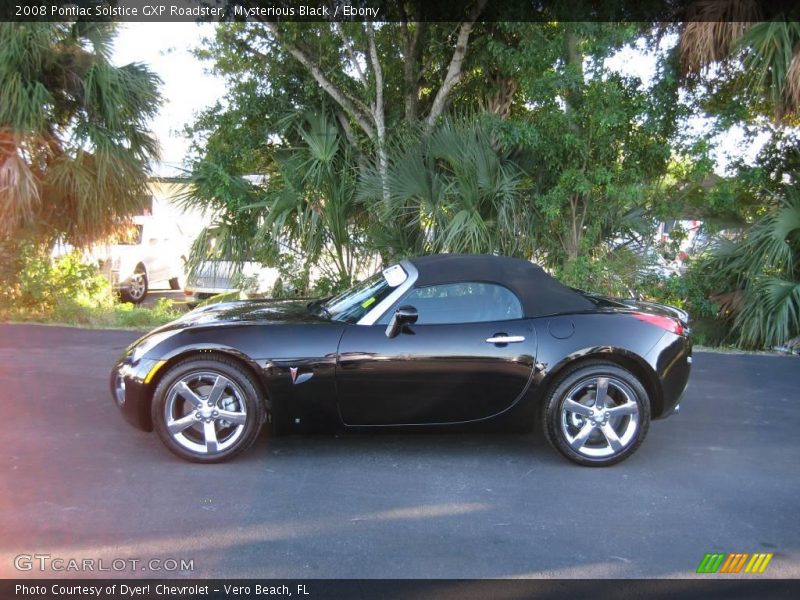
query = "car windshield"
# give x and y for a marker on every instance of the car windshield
(351, 305)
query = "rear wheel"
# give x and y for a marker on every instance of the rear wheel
(207, 410)
(596, 414)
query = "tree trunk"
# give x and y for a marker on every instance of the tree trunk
(412, 55)
(378, 113)
(455, 68)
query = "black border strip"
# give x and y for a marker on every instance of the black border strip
(391, 10)
(717, 588)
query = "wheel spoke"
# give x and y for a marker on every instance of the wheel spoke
(216, 392)
(611, 436)
(577, 408)
(602, 392)
(210, 433)
(582, 436)
(629, 408)
(187, 393)
(179, 425)
(235, 418)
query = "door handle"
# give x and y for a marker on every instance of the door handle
(505, 339)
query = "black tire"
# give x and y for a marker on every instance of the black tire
(243, 389)
(135, 294)
(559, 422)
(174, 284)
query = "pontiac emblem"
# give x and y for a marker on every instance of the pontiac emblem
(298, 379)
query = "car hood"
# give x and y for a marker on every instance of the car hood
(248, 311)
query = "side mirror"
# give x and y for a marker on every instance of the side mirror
(405, 315)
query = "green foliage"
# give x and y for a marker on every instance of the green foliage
(233, 235)
(309, 208)
(544, 152)
(454, 190)
(594, 145)
(616, 273)
(764, 263)
(123, 315)
(40, 283)
(691, 291)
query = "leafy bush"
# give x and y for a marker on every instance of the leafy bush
(40, 283)
(38, 287)
(613, 273)
(693, 291)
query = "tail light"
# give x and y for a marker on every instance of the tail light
(670, 324)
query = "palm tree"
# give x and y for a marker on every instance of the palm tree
(765, 267)
(769, 51)
(74, 142)
(311, 200)
(454, 190)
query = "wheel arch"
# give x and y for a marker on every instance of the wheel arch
(210, 352)
(621, 357)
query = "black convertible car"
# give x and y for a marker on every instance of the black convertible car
(437, 341)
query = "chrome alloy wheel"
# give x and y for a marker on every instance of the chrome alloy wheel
(205, 412)
(137, 286)
(599, 417)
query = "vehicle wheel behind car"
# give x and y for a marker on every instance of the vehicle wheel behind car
(136, 291)
(174, 284)
(596, 414)
(207, 410)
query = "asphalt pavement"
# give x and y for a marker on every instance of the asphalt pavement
(76, 481)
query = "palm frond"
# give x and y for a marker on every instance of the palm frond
(713, 30)
(772, 46)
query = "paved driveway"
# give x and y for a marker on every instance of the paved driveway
(77, 482)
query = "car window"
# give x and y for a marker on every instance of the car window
(352, 304)
(467, 302)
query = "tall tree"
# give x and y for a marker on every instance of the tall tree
(379, 78)
(594, 144)
(74, 141)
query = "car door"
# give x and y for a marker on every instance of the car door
(469, 356)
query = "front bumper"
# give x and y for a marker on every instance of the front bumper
(131, 390)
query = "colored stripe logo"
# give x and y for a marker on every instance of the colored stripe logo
(735, 562)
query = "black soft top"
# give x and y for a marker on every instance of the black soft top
(539, 293)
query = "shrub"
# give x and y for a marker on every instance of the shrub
(39, 283)
(38, 287)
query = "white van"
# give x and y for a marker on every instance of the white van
(150, 251)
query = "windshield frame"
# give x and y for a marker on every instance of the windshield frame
(351, 302)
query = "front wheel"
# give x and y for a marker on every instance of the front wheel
(596, 414)
(136, 291)
(207, 410)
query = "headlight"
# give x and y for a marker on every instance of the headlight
(149, 344)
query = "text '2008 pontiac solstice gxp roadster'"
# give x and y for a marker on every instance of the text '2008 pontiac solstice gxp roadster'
(431, 342)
